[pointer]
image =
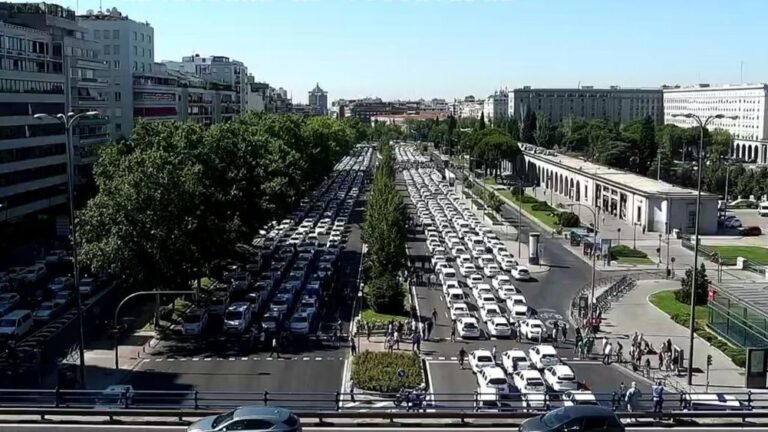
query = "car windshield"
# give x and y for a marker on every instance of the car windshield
(299, 319)
(279, 302)
(233, 315)
(484, 359)
(497, 381)
(8, 323)
(224, 418)
(46, 307)
(535, 382)
(555, 418)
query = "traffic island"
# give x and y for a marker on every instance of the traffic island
(387, 373)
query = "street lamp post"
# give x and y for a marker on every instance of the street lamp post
(69, 120)
(702, 125)
(618, 233)
(660, 235)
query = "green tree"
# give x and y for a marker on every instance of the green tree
(683, 295)
(543, 133)
(482, 121)
(647, 149)
(385, 295)
(513, 129)
(720, 144)
(529, 126)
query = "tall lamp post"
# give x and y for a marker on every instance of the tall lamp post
(69, 120)
(702, 125)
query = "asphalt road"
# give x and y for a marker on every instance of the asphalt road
(125, 428)
(550, 293)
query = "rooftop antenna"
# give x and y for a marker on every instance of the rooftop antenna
(578, 86)
(100, 8)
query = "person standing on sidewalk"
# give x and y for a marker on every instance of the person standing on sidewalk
(633, 398)
(397, 339)
(462, 354)
(351, 390)
(453, 332)
(434, 315)
(607, 354)
(658, 397)
(353, 346)
(564, 331)
(275, 349)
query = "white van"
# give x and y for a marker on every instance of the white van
(762, 209)
(16, 324)
(455, 295)
(448, 274)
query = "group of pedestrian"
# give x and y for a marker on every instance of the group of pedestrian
(637, 351)
(668, 358)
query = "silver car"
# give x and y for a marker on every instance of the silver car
(250, 418)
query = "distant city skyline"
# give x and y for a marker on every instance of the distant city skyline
(446, 49)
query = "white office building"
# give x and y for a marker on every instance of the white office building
(747, 101)
(128, 46)
(221, 69)
(496, 106)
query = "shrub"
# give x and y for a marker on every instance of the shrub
(377, 371)
(527, 199)
(683, 295)
(385, 295)
(568, 219)
(542, 206)
(627, 252)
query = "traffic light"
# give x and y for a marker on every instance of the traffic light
(709, 359)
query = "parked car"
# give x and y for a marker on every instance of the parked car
(194, 322)
(250, 418)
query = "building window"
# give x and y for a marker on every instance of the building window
(118, 112)
(106, 34)
(143, 52)
(115, 34)
(149, 53)
(116, 64)
(118, 127)
(135, 66)
(142, 68)
(135, 37)
(107, 49)
(149, 38)
(135, 50)
(116, 49)
(97, 34)
(118, 96)
(142, 37)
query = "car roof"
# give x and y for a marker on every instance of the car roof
(562, 369)
(481, 352)
(516, 352)
(272, 413)
(546, 349)
(588, 411)
(529, 373)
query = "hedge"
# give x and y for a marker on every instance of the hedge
(377, 371)
(627, 252)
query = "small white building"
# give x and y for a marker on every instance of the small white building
(496, 106)
(634, 199)
(747, 101)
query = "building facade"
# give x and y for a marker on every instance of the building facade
(747, 102)
(128, 46)
(612, 105)
(496, 106)
(633, 199)
(47, 66)
(318, 100)
(219, 69)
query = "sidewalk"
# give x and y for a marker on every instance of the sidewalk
(634, 313)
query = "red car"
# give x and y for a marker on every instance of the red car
(750, 231)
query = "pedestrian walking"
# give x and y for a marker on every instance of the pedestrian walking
(518, 333)
(275, 348)
(493, 353)
(462, 354)
(619, 352)
(434, 315)
(368, 331)
(605, 342)
(400, 327)
(661, 359)
(453, 333)
(418, 343)
(564, 332)
(430, 325)
(389, 343)
(580, 349)
(351, 390)
(397, 339)
(607, 354)
(555, 332)
(632, 398)
(658, 397)
(353, 346)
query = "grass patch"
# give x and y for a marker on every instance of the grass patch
(627, 255)
(490, 181)
(680, 313)
(538, 209)
(377, 371)
(729, 254)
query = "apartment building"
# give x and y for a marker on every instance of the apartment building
(613, 104)
(496, 106)
(46, 67)
(748, 102)
(156, 95)
(128, 46)
(220, 69)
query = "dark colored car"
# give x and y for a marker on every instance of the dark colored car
(577, 418)
(750, 231)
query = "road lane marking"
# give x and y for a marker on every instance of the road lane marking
(318, 358)
(305, 358)
(195, 358)
(244, 358)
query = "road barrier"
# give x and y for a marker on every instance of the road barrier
(130, 400)
(322, 417)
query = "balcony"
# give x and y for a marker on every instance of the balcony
(90, 82)
(89, 102)
(32, 185)
(93, 139)
(32, 163)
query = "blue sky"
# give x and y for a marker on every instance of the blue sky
(412, 49)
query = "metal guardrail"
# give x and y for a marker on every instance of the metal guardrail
(390, 416)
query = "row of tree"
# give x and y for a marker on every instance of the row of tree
(385, 235)
(174, 199)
